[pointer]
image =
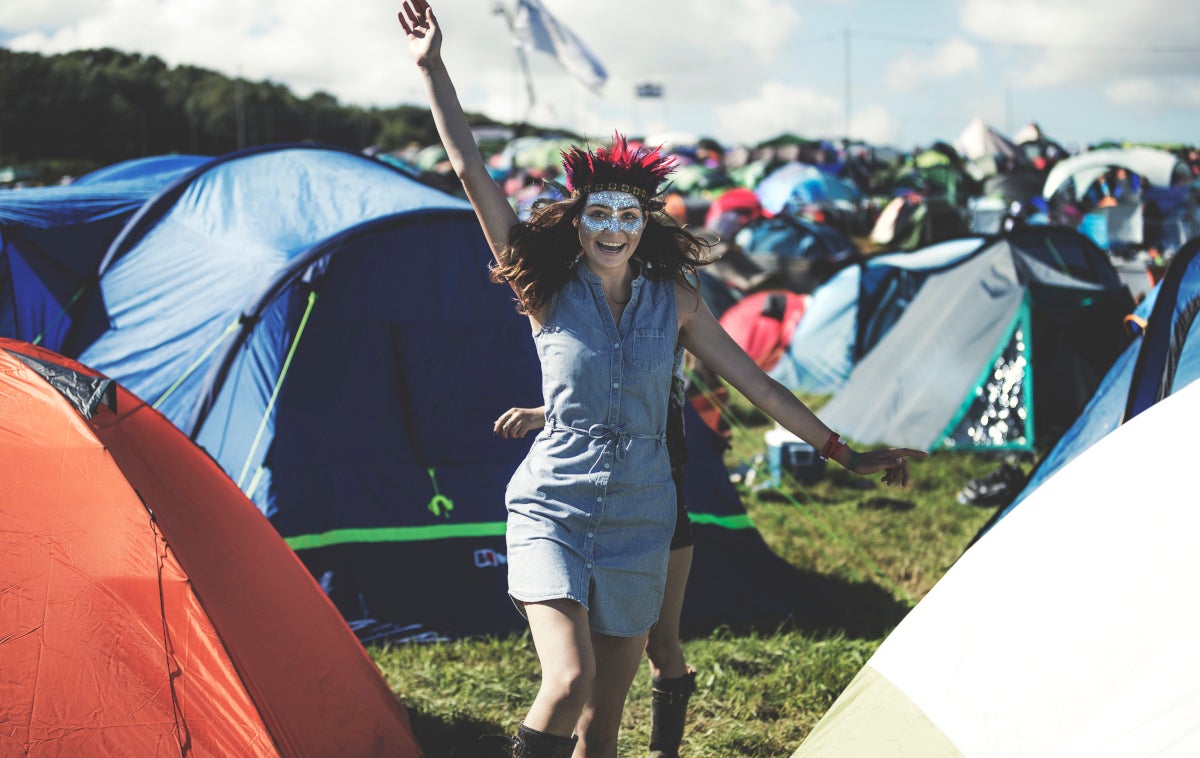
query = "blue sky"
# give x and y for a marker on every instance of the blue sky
(919, 71)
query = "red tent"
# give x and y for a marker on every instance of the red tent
(733, 210)
(763, 323)
(146, 606)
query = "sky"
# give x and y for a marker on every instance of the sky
(903, 74)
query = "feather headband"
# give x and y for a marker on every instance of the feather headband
(617, 168)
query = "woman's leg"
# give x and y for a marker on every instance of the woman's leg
(663, 648)
(617, 661)
(564, 647)
(672, 680)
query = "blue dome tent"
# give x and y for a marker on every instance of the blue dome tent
(53, 240)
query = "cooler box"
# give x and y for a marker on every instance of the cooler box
(790, 455)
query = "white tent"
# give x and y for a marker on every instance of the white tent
(1069, 629)
(1157, 166)
(986, 149)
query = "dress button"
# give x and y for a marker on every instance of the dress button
(616, 384)
(599, 500)
(608, 465)
(589, 565)
(617, 345)
(591, 534)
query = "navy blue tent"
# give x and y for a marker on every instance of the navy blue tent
(53, 239)
(1165, 359)
(323, 325)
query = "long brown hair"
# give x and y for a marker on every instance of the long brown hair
(542, 253)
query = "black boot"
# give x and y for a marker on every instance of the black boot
(669, 701)
(530, 743)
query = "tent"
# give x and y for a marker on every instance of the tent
(1067, 630)
(803, 253)
(1165, 359)
(147, 607)
(998, 351)
(762, 323)
(794, 185)
(1159, 167)
(987, 151)
(53, 239)
(914, 219)
(324, 327)
(822, 349)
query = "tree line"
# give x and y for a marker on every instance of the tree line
(74, 112)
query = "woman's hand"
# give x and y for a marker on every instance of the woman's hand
(892, 462)
(515, 423)
(421, 28)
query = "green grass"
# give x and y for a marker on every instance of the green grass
(760, 692)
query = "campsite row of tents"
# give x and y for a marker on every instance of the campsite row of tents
(299, 332)
(981, 343)
(325, 348)
(316, 322)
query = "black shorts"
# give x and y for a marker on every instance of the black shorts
(677, 452)
(683, 536)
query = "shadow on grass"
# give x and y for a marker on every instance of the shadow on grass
(460, 737)
(738, 583)
(885, 504)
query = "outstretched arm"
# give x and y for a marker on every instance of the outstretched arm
(495, 214)
(703, 335)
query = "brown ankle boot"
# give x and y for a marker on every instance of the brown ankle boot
(530, 743)
(669, 701)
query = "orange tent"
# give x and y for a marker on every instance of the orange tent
(146, 606)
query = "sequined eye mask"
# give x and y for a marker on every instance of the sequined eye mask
(616, 202)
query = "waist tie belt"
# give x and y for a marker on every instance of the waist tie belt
(615, 434)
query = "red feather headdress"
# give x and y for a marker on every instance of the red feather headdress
(617, 168)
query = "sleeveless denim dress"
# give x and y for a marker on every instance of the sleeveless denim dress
(592, 508)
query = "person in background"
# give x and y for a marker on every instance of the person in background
(603, 278)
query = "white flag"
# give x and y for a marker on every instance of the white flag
(536, 29)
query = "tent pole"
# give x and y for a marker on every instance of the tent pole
(846, 85)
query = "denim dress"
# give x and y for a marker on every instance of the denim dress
(591, 509)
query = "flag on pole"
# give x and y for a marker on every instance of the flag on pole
(534, 28)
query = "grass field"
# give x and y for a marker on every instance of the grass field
(760, 691)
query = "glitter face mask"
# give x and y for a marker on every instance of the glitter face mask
(615, 202)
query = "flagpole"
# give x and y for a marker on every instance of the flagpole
(501, 9)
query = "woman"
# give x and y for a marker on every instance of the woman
(673, 680)
(591, 509)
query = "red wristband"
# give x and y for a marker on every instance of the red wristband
(833, 446)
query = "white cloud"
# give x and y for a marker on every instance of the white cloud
(1083, 42)
(20, 18)
(909, 73)
(1152, 95)
(875, 124)
(777, 108)
(353, 53)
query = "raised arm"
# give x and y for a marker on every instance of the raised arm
(703, 335)
(495, 214)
